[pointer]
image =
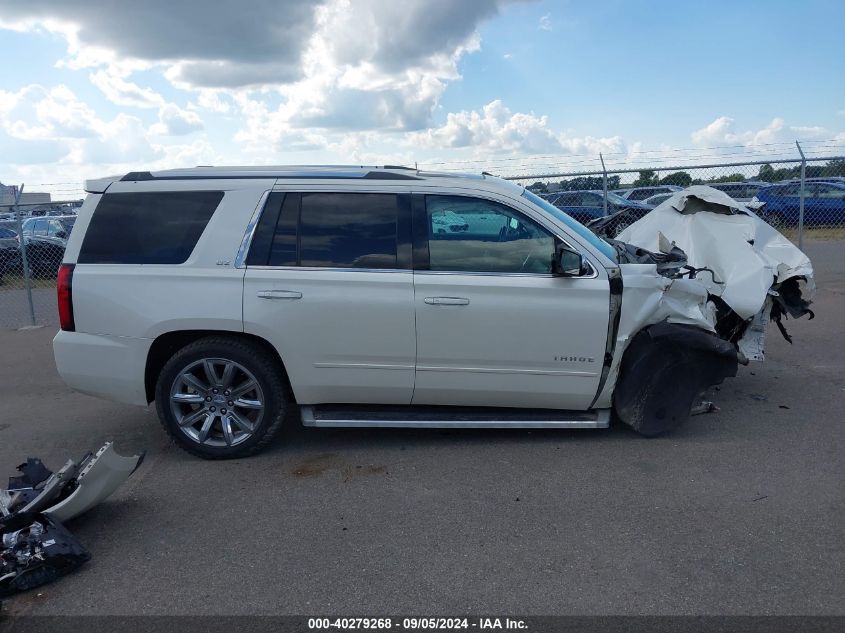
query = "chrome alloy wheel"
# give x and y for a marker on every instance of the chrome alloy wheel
(217, 402)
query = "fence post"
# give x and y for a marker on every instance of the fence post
(604, 181)
(801, 197)
(24, 257)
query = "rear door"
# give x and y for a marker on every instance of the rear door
(494, 326)
(329, 284)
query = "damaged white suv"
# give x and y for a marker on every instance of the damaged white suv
(231, 296)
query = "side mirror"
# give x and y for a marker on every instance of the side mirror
(567, 262)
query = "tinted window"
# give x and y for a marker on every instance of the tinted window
(592, 200)
(642, 194)
(348, 230)
(55, 229)
(4, 233)
(483, 236)
(40, 227)
(147, 228)
(283, 251)
(262, 237)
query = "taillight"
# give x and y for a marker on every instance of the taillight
(64, 287)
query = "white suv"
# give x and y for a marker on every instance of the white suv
(231, 296)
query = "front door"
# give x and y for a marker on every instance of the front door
(495, 327)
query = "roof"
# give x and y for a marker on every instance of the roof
(293, 172)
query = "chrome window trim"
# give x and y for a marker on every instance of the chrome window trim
(334, 269)
(592, 275)
(246, 242)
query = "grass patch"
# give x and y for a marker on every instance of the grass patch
(816, 233)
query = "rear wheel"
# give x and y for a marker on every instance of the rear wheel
(221, 398)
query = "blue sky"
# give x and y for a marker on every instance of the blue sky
(508, 86)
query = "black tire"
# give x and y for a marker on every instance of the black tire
(257, 361)
(664, 370)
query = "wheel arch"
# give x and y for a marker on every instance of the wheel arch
(167, 344)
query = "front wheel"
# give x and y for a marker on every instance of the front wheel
(221, 398)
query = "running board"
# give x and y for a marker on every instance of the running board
(451, 417)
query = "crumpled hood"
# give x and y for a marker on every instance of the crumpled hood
(746, 255)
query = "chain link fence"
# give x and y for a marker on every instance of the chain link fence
(32, 245)
(801, 198)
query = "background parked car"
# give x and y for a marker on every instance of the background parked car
(588, 208)
(824, 203)
(658, 199)
(10, 253)
(740, 191)
(46, 239)
(641, 193)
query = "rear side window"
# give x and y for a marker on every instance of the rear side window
(348, 230)
(147, 228)
(328, 230)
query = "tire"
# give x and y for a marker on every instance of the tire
(662, 373)
(203, 415)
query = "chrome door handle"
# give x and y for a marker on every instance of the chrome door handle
(446, 301)
(279, 294)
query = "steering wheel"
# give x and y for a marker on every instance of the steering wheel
(528, 258)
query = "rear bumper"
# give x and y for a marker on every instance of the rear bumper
(110, 367)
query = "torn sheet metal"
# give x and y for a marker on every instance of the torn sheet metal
(34, 546)
(746, 255)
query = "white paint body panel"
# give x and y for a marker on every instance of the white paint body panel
(505, 347)
(110, 367)
(349, 338)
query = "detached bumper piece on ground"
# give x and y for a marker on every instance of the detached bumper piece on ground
(35, 547)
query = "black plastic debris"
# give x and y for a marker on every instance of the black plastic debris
(38, 554)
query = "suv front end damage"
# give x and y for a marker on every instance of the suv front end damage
(701, 277)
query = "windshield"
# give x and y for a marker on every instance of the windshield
(573, 224)
(616, 199)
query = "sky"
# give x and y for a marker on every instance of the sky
(91, 88)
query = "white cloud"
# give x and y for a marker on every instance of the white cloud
(545, 23)
(62, 129)
(174, 121)
(224, 45)
(723, 131)
(497, 129)
(124, 93)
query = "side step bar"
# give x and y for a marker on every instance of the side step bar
(337, 415)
